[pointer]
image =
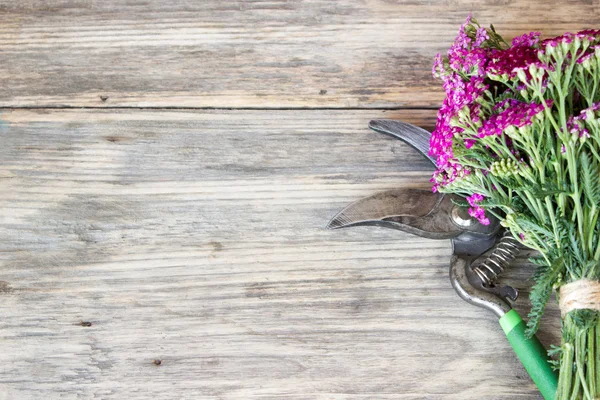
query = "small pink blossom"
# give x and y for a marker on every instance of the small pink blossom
(515, 114)
(481, 36)
(474, 199)
(529, 39)
(476, 211)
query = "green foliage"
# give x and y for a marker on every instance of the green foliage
(555, 352)
(528, 223)
(584, 319)
(544, 278)
(590, 179)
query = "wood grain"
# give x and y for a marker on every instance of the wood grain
(196, 239)
(240, 54)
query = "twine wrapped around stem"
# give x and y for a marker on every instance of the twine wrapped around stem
(580, 294)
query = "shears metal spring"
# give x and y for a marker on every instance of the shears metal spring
(505, 250)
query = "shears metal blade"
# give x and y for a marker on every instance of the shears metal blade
(416, 211)
(410, 134)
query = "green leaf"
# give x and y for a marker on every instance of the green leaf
(544, 278)
(590, 178)
(529, 224)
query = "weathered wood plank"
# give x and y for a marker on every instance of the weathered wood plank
(313, 53)
(196, 238)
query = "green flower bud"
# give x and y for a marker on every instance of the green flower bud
(511, 130)
(509, 220)
(533, 69)
(521, 75)
(589, 116)
(573, 139)
(504, 168)
(540, 74)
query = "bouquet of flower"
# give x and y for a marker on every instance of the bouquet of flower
(518, 135)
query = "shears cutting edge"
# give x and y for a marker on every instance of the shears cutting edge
(441, 216)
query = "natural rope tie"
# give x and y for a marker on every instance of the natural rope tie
(581, 294)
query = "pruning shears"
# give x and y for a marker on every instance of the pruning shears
(472, 274)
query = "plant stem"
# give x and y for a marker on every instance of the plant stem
(579, 377)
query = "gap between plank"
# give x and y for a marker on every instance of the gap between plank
(62, 107)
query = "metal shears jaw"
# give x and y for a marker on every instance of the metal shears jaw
(438, 216)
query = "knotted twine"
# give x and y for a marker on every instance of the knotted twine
(577, 295)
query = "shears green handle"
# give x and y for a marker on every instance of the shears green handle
(532, 354)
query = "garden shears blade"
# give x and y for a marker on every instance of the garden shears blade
(410, 134)
(417, 211)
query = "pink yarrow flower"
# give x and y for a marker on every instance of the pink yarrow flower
(476, 211)
(481, 36)
(576, 124)
(529, 39)
(517, 114)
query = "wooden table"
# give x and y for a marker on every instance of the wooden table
(166, 172)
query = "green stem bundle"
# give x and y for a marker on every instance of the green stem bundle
(579, 377)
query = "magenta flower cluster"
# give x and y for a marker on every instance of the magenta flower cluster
(576, 124)
(514, 113)
(476, 211)
(567, 38)
(522, 53)
(480, 67)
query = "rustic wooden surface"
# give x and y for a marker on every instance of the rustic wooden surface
(157, 228)
(286, 53)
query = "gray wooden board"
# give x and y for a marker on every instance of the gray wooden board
(273, 53)
(196, 238)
